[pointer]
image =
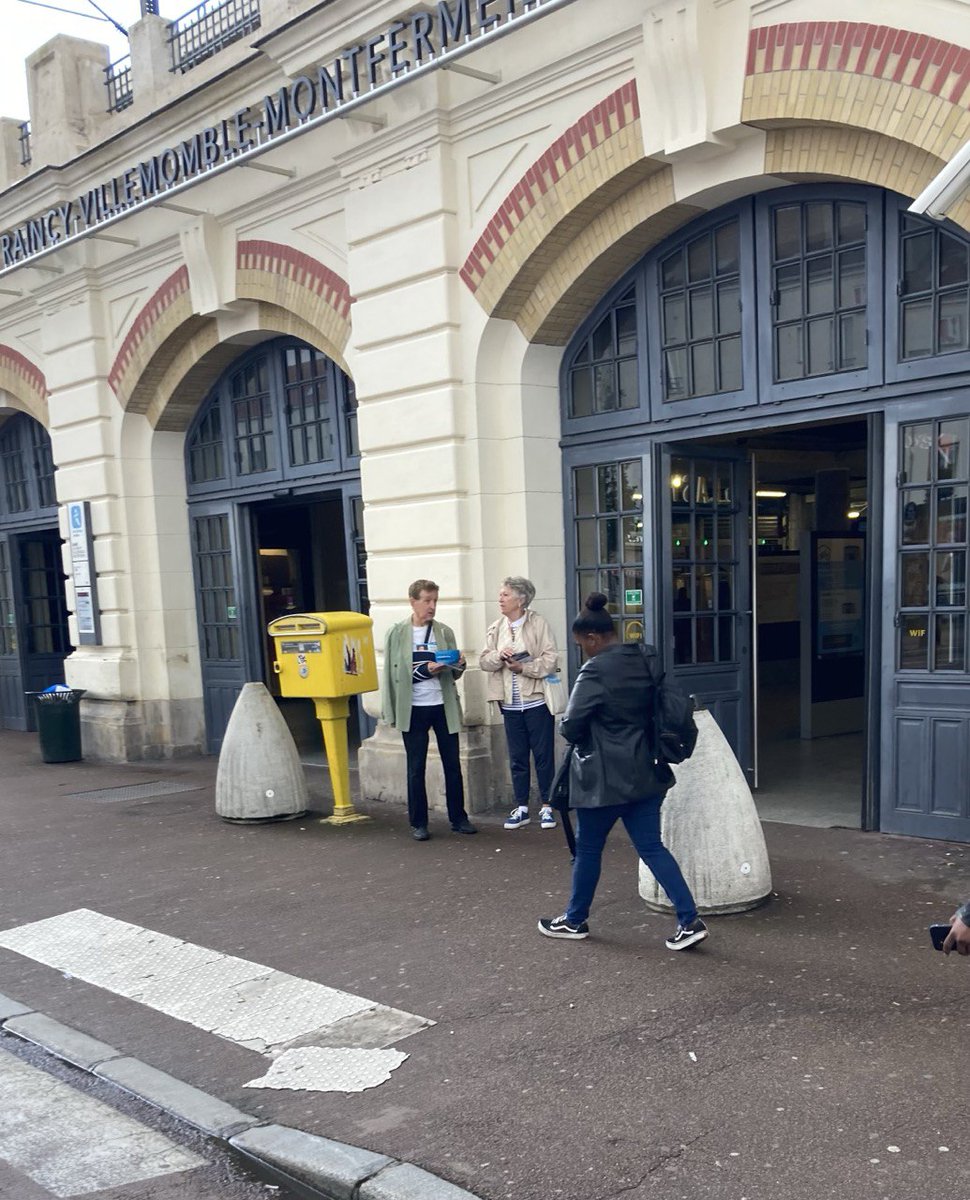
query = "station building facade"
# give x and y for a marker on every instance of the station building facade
(621, 296)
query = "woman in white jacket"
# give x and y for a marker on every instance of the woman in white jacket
(519, 653)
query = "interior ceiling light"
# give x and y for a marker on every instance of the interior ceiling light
(676, 481)
(770, 495)
(853, 514)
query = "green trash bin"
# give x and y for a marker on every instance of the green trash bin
(58, 710)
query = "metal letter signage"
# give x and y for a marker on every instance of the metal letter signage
(85, 578)
(357, 74)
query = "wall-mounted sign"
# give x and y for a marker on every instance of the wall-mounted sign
(414, 44)
(633, 598)
(86, 610)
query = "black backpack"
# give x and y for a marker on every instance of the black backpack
(674, 731)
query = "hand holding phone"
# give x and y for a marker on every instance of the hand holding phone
(938, 934)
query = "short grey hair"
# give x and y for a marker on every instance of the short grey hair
(523, 587)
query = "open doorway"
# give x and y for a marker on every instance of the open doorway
(811, 503)
(302, 566)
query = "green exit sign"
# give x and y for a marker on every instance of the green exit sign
(633, 598)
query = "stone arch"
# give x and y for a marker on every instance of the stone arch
(856, 101)
(841, 100)
(170, 347)
(24, 384)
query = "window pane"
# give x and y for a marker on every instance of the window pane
(701, 315)
(607, 488)
(788, 232)
(917, 329)
(788, 285)
(626, 330)
(582, 393)
(729, 308)
(852, 341)
(632, 474)
(818, 226)
(729, 355)
(602, 339)
(679, 481)
(604, 388)
(951, 642)
(820, 357)
(675, 370)
(682, 640)
(914, 580)
(680, 538)
(674, 320)
(914, 642)
(852, 223)
(953, 322)
(704, 589)
(953, 260)
(610, 540)
(821, 285)
(917, 442)
(916, 516)
(672, 270)
(788, 352)
(702, 361)
(951, 515)
(704, 544)
(699, 259)
(852, 278)
(584, 487)
(586, 543)
(917, 263)
(951, 578)
(628, 383)
(726, 248)
(704, 632)
(951, 450)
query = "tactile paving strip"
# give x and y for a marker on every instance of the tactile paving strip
(241, 1001)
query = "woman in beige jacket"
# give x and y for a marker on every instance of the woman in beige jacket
(519, 653)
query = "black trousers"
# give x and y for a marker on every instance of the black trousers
(530, 729)
(424, 718)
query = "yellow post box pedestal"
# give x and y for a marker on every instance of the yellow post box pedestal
(328, 657)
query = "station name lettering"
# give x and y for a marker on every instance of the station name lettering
(409, 43)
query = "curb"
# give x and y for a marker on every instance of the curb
(313, 1167)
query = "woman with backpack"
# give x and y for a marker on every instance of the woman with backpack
(614, 774)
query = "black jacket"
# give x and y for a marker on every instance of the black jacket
(609, 718)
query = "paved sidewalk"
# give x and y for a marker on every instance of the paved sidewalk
(812, 1048)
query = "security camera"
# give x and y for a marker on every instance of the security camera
(946, 187)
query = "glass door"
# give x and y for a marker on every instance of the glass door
(13, 709)
(705, 584)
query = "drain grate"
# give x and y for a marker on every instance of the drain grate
(138, 791)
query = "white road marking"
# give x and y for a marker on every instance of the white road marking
(71, 1144)
(326, 1069)
(244, 1002)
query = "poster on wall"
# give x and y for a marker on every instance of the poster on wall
(839, 594)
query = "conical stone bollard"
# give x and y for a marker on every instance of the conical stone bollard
(259, 777)
(710, 825)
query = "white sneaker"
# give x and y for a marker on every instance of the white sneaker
(547, 818)
(517, 818)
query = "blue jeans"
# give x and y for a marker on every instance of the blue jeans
(642, 823)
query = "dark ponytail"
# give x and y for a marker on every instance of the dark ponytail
(593, 617)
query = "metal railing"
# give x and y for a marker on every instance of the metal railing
(117, 79)
(25, 143)
(209, 28)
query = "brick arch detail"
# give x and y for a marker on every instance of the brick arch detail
(846, 100)
(288, 279)
(269, 273)
(25, 381)
(901, 84)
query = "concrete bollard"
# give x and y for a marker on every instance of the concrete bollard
(260, 777)
(710, 825)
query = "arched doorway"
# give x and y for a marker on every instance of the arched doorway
(766, 430)
(275, 511)
(34, 638)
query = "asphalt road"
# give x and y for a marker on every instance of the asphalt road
(812, 1050)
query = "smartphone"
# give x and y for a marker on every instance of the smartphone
(938, 934)
(522, 656)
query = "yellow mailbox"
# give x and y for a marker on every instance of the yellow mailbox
(327, 657)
